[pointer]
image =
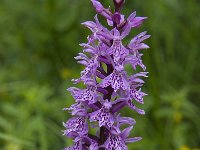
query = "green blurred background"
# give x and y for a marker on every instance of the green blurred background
(38, 40)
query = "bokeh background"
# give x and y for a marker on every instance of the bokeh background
(38, 40)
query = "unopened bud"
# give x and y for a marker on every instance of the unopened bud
(119, 1)
(118, 4)
(116, 18)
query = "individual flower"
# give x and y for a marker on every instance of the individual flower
(76, 125)
(136, 44)
(83, 95)
(132, 93)
(91, 66)
(136, 82)
(77, 109)
(137, 95)
(117, 49)
(99, 31)
(117, 79)
(117, 139)
(133, 22)
(103, 115)
(135, 60)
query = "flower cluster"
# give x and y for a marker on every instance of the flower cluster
(108, 86)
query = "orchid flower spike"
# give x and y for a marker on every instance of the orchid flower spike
(108, 87)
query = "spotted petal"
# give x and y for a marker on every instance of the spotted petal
(88, 94)
(137, 95)
(117, 49)
(132, 106)
(117, 80)
(76, 124)
(103, 116)
(77, 109)
(115, 142)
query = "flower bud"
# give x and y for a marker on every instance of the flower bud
(116, 18)
(118, 4)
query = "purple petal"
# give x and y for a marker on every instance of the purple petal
(103, 117)
(137, 95)
(98, 6)
(115, 142)
(104, 35)
(132, 16)
(132, 106)
(136, 44)
(94, 146)
(79, 112)
(99, 75)
(101, 10)
(91, 25)
(116, 32)
(140, 74)
(76, 124)
(132, 140)
(125, 120)
(101, 27)
(118, 79)
(126, 30)
(102, 90)
(118, 106)
(137, 21)
(142, 46)
(104, 60)
(125, 133)
(138, 80)
(106, 82)
(119, 100)
(115, 130)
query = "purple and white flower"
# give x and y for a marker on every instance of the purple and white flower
(117, 79)
(108, 87)
(76, 125)
(103, 115)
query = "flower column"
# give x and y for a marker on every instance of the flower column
(108, 87)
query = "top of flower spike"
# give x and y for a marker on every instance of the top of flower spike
(101, 10)
(117, 19)
(118, 4)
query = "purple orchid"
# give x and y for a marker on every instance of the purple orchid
(108, 87)
(117, 79)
